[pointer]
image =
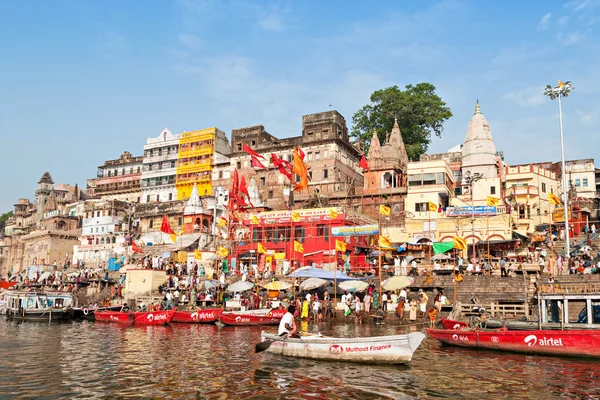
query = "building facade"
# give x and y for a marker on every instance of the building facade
(581, 175)
(160, 168)
(120, 179)
(196, 158)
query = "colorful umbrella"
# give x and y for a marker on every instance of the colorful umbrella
(277, 285)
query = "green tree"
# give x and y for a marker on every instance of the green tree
(3, 219)
(420, 112)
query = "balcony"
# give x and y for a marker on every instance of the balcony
(159, 173)
(146, 184)
(118, 179)
(117, 188)
(159, 158)
(198, 179)
(194, 167)
(522, 191)
(195, 152)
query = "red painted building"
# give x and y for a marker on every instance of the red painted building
(313, 228)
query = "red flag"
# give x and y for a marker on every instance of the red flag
(301, 153)
(244, 190)
(285, 167)
(166, 227)
(364, 164)
(248, 150)
(135, 248)
(257, 164)
(300, 169)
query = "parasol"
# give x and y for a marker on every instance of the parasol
(397, 282)
(313, 283)
(441, 257)
(277, 285)
(240, 286)
(354, 286)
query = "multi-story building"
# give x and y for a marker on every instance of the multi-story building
(581, 175)
(102, 233)
(527, 188)
(160, 168)
(120, 179)
(332, 162)
(196, 158)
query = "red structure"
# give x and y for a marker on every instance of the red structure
(312, 228)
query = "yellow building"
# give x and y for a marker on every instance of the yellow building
(195, 160)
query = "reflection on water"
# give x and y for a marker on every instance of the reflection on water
(102, 360)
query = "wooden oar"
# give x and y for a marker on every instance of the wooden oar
(262, 346)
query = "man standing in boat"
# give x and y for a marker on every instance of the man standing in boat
(287, 325)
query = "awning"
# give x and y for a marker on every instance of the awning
(311, 272)
(518, 236)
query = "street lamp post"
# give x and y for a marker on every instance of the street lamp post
(471, 179)
(557, 92)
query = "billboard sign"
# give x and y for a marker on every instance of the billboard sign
(468, 211)
(359, 230)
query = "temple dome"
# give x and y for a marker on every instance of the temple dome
(479, 150)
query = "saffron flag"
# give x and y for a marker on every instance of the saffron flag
(554, 199)
(332, 214)
(257, 164)
(165, 226)
(460, 243)
(300, 169)
(254, 220)
(295, 216)
(298, 247)
(135, 248)
(222, 222)
(222, 251)
(561, 84)
(384, 242)
(261, 249)
(174, 235)
(364, 164)
(384, 210)
(431, 207)
(340, 245)
(197, 255)
(492, 201)
(248, 150)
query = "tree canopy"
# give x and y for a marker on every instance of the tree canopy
(3, 219)
(420, 111)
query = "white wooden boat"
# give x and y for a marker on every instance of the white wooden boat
(396, 349)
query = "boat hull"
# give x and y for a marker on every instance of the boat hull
(197, 316)
(136, 318)
(40, 315)
(516, 325)
(252, 317)
(80, 313)
(397, 349)
(573, 343)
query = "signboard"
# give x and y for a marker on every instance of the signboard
(284, 217)
(468, 211)
(360, 230)
(558, 215)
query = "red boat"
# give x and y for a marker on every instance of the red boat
(453, 324)
(574, 343)
(136, 318)
(197, 316)
(252, 317)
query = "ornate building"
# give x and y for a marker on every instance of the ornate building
(120, 179)
(160, 168)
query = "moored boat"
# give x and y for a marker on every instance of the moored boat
(396, 349)
(252, 317)
(79, 313)
(205, 316)
(516, 325)
(46, 306)
(136, 318)
(574, 343)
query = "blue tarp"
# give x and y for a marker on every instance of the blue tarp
(113, 265)
(310, 272)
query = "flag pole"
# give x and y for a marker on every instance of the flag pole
(454, 280)
(551, 239)
(379, 247)
(488, 242)
(429, 236)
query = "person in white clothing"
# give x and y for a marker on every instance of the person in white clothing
(403, 265)
(308, 297)
(287, 325)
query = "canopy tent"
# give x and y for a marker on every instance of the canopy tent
(312, 272)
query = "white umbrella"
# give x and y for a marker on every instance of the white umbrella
(277, 285)
(43, 276)
(354, 286)
(397, 282)
(441, 257)
(240, 286)
(313, 283)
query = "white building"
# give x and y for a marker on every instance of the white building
(160, 168)
(581, 174)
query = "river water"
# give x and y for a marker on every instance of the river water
(102, 360)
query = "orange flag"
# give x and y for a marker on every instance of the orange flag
(300, 169)
(135, 248)
(166, 227)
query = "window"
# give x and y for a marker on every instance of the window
(414, 180)
(220, 174)
(239, 147)
(148, 199)
(149, 167)
(577, 182)
(324, 153)
(253, 142)
(429, 179)
(122, 171)
(317, 155)
(585, 182)
(325, 174)
(131, 170)
(310, 175)
(109, 173)
(172, 164)
(421, 207)
(492, 189)
(263, 181)
(270, 194)
(309, 156)
(151, 222)
(157, 197)
(238, 165)
(138, 169)
(170, 196)
(323, 232)
(543, 187)
(180, 221)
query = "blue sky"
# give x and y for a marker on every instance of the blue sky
(84, 81)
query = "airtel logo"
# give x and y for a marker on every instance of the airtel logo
(456, 327)
(194, 316)
(531, 340)
(455, 337)
(150, 317)
(336, 349)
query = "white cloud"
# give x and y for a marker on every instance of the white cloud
(190, 41)
(570, 37)
(587, 119)
(562, 21)
(273, 21)
(531, 96)
(545, 21)
(579, 5)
